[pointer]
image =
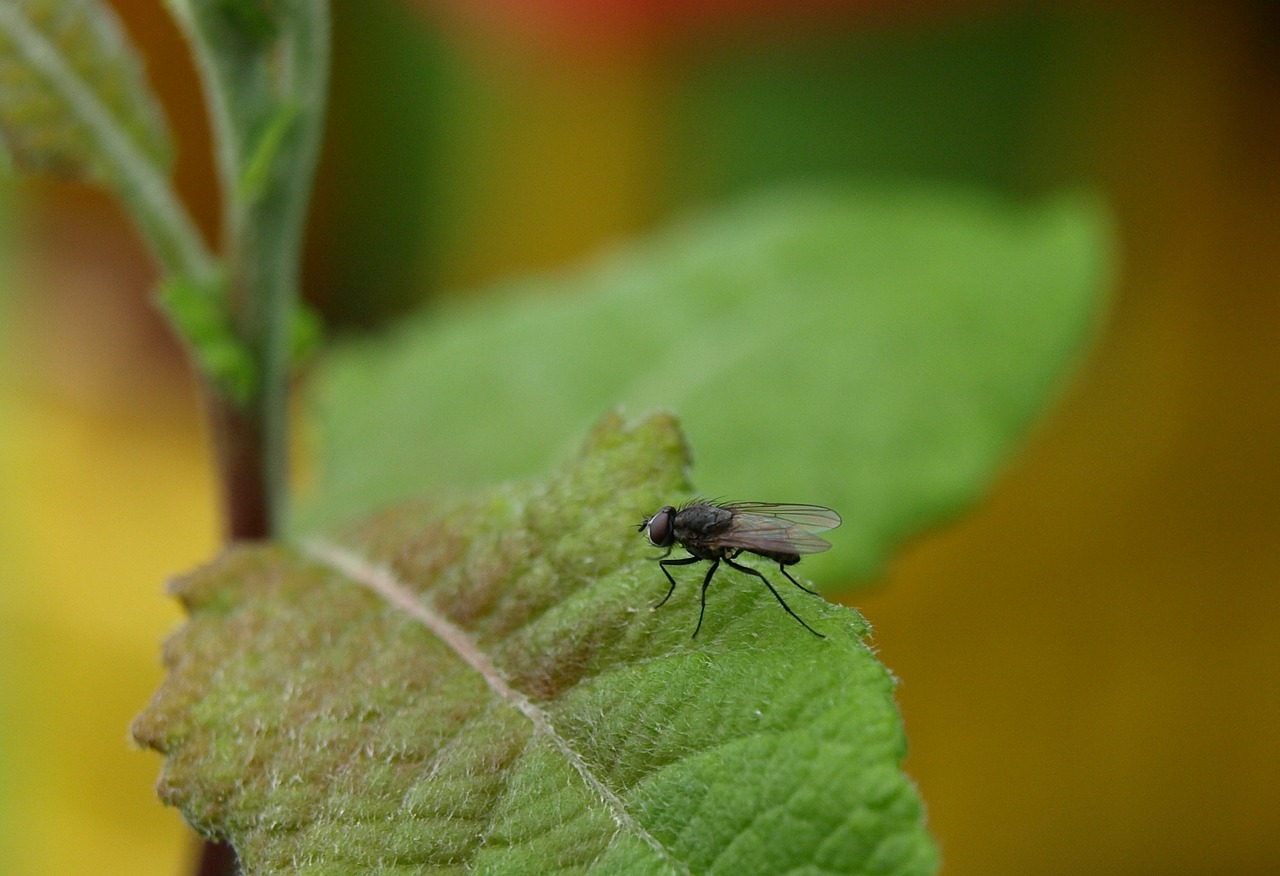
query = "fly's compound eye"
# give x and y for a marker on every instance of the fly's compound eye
(659, 527)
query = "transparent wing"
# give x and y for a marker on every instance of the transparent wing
(778, 528)
(815, 518)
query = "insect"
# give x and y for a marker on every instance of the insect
(719, 532)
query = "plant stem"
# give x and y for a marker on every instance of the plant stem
(248, 511)
(216, 859)
(266, 99)
(266, 102)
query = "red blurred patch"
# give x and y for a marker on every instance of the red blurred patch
(596, 26)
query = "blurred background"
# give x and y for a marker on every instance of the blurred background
(1090, 661)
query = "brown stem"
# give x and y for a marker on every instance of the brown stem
(216, 859)
(248, 515)
(240, 445)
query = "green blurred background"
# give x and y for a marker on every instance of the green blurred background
(1090, 662)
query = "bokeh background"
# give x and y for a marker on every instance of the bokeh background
(1090, 661)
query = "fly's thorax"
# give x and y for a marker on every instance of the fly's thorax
(700, 521)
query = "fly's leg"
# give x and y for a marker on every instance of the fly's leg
(776, 594)
(664, 563)
(783, 570)
(706, 582)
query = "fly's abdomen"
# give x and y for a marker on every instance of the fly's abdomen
(781, 559)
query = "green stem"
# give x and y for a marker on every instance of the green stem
(266, 100)
(270, 235)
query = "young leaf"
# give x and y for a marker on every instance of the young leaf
(482, 687)
(199, 312)
(877, 351)
(73, 101)
(265, 70)
(72, 96)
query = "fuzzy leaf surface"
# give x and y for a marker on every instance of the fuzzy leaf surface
(73, 100)
(879, 351)
(480, 687)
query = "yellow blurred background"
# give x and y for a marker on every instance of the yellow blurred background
(1090, 661)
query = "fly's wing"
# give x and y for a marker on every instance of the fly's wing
(781, 529)
(815, 518)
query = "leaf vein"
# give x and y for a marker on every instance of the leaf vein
(384, 583)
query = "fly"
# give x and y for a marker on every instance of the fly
(719, 532)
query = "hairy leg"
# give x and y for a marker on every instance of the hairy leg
(776, 594)
(664, 563)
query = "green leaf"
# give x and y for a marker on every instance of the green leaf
(73, 99)
(878, 351)
(481, 686)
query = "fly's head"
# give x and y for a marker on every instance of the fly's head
(659, 528)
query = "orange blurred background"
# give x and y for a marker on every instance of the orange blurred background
(1090, 661)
